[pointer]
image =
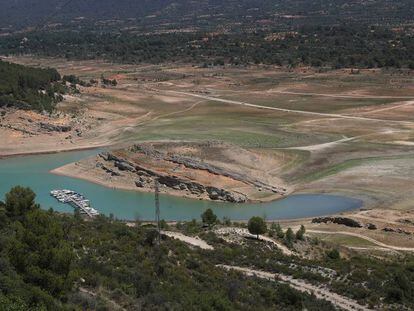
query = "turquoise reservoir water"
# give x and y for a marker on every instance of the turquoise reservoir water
(33, 171)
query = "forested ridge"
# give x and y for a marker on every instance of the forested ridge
(29, 88)
(332, 34)
(52, 261)
(202, 14)
(334, 47)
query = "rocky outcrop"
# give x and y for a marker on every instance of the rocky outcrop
(224, 195)
(396, 230)
(140, 183)
(198, 189)
(107, 170)
(14, 128)
(55, 128)
(121, 164)
(349, 222)
(146, 177)
(124, 166)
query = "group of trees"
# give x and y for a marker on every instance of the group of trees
(35, 254)
(110, 82)
(356, 46)
(51, 261)
(29, 88)
(207, 15)
(257, 226)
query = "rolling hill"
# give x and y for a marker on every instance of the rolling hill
(203, 13)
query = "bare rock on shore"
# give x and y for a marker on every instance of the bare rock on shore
(396, 230)
(146, 179)
(124, 166)
(55, 128)
(203, 170)
(196, 164)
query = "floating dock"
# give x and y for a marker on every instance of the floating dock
(76, 200)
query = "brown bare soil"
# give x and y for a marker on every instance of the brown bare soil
(233, 169)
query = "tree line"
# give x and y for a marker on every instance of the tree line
(29, 88)
(39, 89)
(339, 46)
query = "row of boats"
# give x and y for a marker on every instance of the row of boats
(75, 199)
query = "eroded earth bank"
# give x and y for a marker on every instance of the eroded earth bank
(208, 170)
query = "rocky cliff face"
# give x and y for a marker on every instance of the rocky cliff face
(146, 177)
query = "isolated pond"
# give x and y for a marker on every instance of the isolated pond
(33, 171)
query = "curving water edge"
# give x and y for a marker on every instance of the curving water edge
(33, 171)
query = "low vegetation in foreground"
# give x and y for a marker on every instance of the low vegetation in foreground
(52, 261)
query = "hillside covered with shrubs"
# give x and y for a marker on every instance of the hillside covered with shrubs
(29, 88)
(52, 261)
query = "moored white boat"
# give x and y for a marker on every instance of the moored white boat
(75, 199)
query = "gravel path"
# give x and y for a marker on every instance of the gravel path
(339, 301)
(195, 241)
(245, 233)
(383, 245)
(334, 115)
(352, 96)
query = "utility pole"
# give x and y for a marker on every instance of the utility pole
(157, 209)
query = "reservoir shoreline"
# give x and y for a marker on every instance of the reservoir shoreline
(34, 171)
(52, 151)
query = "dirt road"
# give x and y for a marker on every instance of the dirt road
(400, 105)
(319, 147)
(188, 239)
(358, 235)
(361, 96)
(339, 301)
(331, 115)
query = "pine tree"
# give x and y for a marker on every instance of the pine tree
(300, 234)
(289, 238)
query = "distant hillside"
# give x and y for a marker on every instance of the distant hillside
(333, 47)
(328, 33)
(203, 13)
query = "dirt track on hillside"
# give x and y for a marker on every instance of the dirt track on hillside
(339, 301)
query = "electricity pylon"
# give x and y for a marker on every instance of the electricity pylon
(157, 210)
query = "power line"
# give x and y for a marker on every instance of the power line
(157, 209)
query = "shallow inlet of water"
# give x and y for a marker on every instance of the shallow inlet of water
(33, 171)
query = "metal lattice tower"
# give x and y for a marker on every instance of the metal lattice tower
(157, 209)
